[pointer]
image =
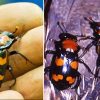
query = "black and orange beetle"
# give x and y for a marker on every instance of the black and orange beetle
(6, 41)
(63, 71)
(95, 26)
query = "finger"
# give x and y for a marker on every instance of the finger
(10, 95)
(31, 48)
(30, 85)
(23, 15)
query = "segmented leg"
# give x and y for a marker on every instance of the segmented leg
(16, 29)
(86, 66)
(87, 48)
(15, 52)
(85, 37)
(13, 77)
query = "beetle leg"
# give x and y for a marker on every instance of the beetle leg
(16, 29)
(15, 52)
(49, 52)
(97, 66)
(85, 38)
(87, 49)
(11, 72)
(87, 67)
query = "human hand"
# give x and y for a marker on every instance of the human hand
(29, 76)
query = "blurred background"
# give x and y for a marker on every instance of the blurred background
(38, 2)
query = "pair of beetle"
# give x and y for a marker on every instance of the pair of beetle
(63, 71)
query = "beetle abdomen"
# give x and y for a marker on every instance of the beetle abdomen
(61, 81)
(64, 72)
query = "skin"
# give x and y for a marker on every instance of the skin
(25, 16)
(7, 94)
(34, 55)
(29, 84)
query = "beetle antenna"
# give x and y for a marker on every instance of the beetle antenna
(16, 29)
(60, 27)
(89, 19)
(64, 27)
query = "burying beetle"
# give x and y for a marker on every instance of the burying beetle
(6, 41)
(95, 26)
(63, 71)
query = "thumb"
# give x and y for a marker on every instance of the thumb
(11, 95)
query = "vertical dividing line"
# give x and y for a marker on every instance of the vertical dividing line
(47, 5)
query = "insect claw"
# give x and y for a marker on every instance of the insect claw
(16, 29)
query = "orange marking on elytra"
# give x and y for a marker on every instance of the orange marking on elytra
(70, 79)
(59, 61)
(60, 77)
(54, 77)
(57, 77)
(70, 44)
(74, 65)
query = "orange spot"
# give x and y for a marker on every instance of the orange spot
(1, 77)
(60, 77)
(74, 64)
(57, 77)
(54, 77)
(70, 44)
(59, 61)
(70, 79)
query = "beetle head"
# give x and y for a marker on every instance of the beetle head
(64, 36)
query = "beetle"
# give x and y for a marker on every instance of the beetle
(6, 41)
(95, 26)
(63, 70)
